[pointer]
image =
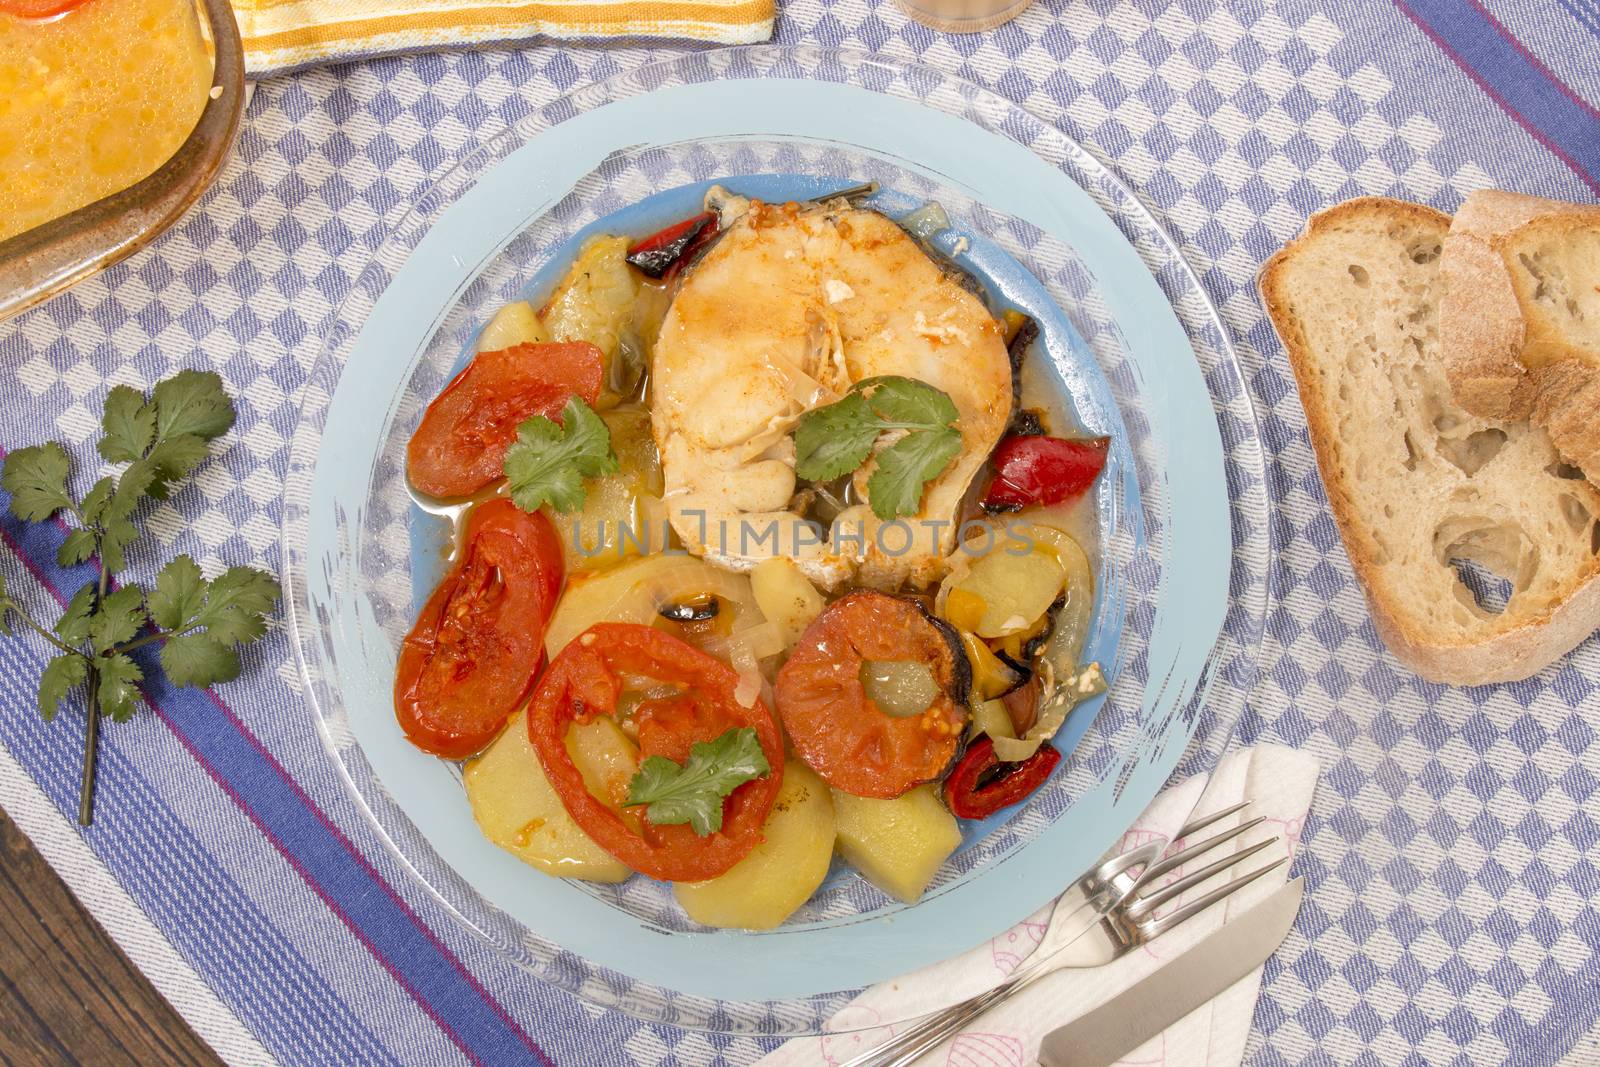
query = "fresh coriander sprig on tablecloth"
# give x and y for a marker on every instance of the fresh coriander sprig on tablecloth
(199, 623)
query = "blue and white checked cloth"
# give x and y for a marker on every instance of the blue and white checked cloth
(1453, 854)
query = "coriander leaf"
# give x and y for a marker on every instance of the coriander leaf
(129, 423)
(60, 676)
(693, 792)
(36, 478)
(131, 489)
(173, 459)
(198, 660)
(915, 404)
(97, 499)
(79, 546)
(116, 535)
(895, 488)
(237, 602)
(834, 440)
(192, 402)
(73, 626)
(117, 530)
(119, 618)
(179, 594)
(119, 680)
(548, 461)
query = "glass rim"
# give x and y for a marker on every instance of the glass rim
(342, 328)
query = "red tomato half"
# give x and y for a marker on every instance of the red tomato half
(470, 660)
(586, 679)
(39, 9)
(461, 444)
(837, 729)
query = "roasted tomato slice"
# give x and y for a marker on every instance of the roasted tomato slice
(837, 729)
(694, 702)
(461, 444)
(470, 660)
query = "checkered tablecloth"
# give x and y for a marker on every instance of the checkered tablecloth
(1454, 905)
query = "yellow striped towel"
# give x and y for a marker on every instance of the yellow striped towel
(279, 34)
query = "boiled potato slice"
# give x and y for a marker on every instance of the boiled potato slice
(514, 324)
(518, 809)
(632, 591)
(1003, 592)
(787, 598)
(622, 513)
(765, 887)
(595, 300)
(897, 844)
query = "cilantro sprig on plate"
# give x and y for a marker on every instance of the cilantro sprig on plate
(693, 791)
(199, 623)
(549, 460)
(832, 441)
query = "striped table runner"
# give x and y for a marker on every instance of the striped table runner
(283, 34)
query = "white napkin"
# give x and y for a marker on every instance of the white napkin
(1277, 781)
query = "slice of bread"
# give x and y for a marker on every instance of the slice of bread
(1423, 490)
(1520, 317)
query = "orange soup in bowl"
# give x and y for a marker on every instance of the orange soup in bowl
(94, 96)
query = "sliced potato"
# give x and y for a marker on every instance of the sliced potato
(516, 323)
(787, 597)
(766, 887)
(632, 591)
(622, 514)
(518, 809)
(595, 300)
(1005, 591)
(897, 844)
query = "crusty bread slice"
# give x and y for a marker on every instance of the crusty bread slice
(1520, 317)
(1421, 488)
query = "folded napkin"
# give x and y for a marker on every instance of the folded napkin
(279, 34)
(1277, 781)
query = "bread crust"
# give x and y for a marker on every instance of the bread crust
(1485, 330)
(1481, 331)
(1566, 402)
(1510, 654)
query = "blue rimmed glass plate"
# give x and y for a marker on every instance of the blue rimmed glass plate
(1133, 347)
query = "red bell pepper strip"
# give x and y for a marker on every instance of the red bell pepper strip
(661, 254)
(970, 797)
(1043, 470)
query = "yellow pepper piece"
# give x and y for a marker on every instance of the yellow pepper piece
(964, 609)
(990, 677)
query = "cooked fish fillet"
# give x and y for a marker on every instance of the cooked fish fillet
(789, 309)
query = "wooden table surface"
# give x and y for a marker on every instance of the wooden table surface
(67, 993)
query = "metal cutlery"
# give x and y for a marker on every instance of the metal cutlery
(1115, 907)
(1178, 987)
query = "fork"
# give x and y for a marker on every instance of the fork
(1129, 922)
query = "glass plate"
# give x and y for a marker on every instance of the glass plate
(1135, 348)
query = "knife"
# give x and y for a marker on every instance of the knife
(1156, 1001)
